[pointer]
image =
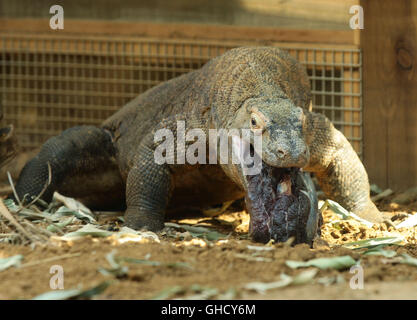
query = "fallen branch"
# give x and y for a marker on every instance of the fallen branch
(65, 256)
(7, 215)
(13, 188)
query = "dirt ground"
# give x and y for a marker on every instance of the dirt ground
(191, 267)
(181, 265)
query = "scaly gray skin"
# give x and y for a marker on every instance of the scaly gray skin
(8, 144)
(246, 88)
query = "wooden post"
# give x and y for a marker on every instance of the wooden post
(389, 45)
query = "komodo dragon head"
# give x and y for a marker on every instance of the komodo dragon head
(267, 94)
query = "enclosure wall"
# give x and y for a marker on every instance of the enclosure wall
(49, 83)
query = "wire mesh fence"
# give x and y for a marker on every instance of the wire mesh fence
(48, 84)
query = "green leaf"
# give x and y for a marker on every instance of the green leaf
(58, 295)
(140, 261)
(262, 287)
(329, 280)
(11, 205)
(142, 234)
(338, 263)
(336, 208)
(73, 293)
(302, 278)
(27, 213)
(87, 230)
(155, 263)
(379, 251)
(100, 288)
(370, 243)
(343, 213)
(116, 269)
(13, 261)
(407, 259)
(260, 248)
(72, 204)
(214, 236)
(230, 294)
(252, 257)
(198, 232)
(54, 227)
(168, 293)
(84, 215)
(64, 211)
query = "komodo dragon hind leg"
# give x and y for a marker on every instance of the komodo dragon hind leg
(83, 165)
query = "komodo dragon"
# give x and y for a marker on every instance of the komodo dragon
(255, 88)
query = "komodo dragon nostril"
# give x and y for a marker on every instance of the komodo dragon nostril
(281, 153)
(305, 152)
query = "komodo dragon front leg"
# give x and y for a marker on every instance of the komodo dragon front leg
(148, 190)
(150, 181)
(339, 171)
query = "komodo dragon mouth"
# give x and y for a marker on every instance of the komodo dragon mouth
(282, 203)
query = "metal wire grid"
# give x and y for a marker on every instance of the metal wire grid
(336, 85)
(48, 84)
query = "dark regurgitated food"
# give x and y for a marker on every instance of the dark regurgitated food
(283, 204)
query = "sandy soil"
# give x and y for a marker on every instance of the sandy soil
(220, 269)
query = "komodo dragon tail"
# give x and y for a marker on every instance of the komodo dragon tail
(76, 155)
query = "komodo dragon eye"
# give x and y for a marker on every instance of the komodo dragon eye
(256, 122)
